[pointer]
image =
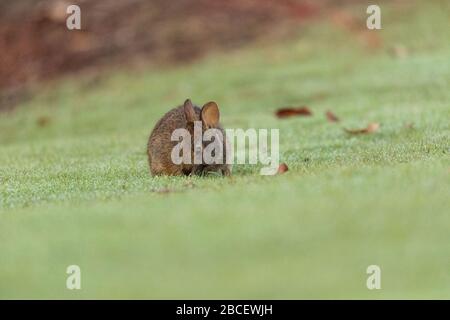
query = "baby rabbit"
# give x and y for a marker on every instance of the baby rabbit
(160, 145)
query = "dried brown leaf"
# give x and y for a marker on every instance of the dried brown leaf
(282, 168)
(371, 128)
(331, 117)
(291, 112)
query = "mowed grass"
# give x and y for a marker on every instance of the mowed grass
(75, 186)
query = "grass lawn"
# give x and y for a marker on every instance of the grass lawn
(75, 186)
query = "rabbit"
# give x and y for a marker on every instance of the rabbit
(160, 146)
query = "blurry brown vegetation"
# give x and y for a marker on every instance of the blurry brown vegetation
(36, 45)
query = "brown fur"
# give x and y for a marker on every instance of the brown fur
(160, 146)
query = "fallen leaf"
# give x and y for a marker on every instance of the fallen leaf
(291, 112)
(371, 128)
(282, 168)
(331, 117)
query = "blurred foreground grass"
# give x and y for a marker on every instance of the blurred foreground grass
(75, 187)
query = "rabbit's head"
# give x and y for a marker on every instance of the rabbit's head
(209, 117)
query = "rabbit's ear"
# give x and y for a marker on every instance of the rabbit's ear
(210, 114)
(189, 111)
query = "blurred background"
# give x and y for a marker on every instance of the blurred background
(77, 107)
(35, 44)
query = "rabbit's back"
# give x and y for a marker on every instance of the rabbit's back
(159, 147)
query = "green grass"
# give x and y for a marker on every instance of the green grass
(78, 190)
